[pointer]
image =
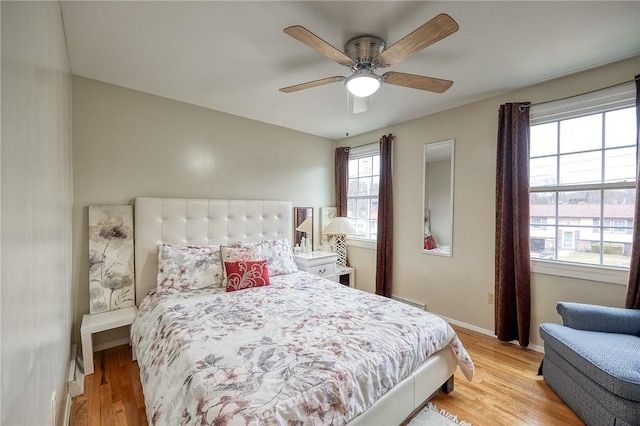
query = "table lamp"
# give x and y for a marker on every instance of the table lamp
(340, 227)
(307, 227)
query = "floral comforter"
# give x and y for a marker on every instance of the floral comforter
(303, 350)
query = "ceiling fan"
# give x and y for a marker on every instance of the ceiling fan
(367, 53)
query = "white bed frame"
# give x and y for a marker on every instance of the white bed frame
(206, 221)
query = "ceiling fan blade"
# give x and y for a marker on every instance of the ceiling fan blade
(421, 82)
(305, 36)
(310, 84)
(435, 30)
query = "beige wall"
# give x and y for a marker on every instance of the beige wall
(36, 212)
(129, 144)
(458, 287)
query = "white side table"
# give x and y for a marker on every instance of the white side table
(101, 322)
(347, 272)
(320, 263)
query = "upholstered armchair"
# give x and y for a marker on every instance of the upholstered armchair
(592, 362)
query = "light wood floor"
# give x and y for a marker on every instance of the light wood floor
(505, 391)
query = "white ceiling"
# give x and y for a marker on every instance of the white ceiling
(233, 56)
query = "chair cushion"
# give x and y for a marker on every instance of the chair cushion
(612, 360)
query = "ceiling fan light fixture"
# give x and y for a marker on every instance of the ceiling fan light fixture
(363, 84)
(365, 54)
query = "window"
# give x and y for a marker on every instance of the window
(362, 193)
(583, 179)
(538, 222)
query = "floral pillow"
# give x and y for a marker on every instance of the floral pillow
(246, 274)
(185, 267)
(279, 256)
(237, 254)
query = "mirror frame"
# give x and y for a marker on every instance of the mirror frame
(449, 233)
(299, 215)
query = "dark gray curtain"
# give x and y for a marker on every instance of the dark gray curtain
(384, 252)
(633, 288)
(342, 180)
(512, 270)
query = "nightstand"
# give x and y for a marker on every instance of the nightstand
(101, 322)
(346, 275)
(320, 263)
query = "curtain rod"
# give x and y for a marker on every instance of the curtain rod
(527, 105)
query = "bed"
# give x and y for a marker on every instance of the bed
(283, 353)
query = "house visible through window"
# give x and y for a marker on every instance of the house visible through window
(362, 194)
(582, 182)
(538, 222)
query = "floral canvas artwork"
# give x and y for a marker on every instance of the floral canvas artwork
(111, 279)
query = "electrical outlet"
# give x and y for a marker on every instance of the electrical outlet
(53, 408)
(491, 298)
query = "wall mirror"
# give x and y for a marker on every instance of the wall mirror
(437, 204)
(302, 224)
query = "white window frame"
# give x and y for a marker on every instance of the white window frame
(363, 151)
(617, 97)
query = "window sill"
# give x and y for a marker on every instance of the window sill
(367, 244)
(583, 272)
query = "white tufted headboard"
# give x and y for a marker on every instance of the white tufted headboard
(200, 222)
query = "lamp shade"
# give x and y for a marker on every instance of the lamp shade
(363, 84)
(340, 226)
(306, 226)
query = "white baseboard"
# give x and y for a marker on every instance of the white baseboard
(481, 330)
(67, 410)
(110, 344)
(75, 378)
(536, 348)
(68, 398)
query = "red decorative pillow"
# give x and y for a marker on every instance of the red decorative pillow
(246, 274)
(429, 242)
